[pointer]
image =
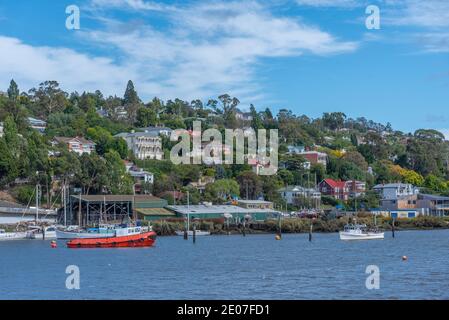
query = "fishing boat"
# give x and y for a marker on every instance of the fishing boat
(12, 235)
(123, 237)
(360, 232)
(74, 232)
(42, 233)
(190, 233)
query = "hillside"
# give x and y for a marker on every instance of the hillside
(357, 149)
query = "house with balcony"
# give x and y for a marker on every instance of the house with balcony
(144, 145)
(78, 145)
(296, 195)
(434, 205)
(393, 191)
(336, 189)
(356, 188)
(342, 190)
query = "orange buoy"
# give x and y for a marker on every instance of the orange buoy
(53, 244)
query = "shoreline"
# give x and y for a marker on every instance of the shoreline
(302, 225)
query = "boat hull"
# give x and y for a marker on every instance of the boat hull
(145, 239)
(190, 233)
(348, 236)
(67, 235)
(13, 236)
(49, 235)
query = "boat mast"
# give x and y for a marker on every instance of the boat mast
(37, 202)
(79, 212)
(64, 204)
(188, 212)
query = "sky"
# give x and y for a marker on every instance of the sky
(309, 56)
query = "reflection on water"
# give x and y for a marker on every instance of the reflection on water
(233, 267)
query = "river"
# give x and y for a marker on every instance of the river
(233, 267)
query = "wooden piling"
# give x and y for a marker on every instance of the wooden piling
(310, 231)
(392, 228)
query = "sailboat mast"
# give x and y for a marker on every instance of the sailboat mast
(64, 203)
(37, 202)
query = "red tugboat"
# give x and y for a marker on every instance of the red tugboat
(124, 237)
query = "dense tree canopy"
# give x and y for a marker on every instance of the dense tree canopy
(358, 148)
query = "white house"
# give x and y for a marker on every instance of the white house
(144, 145)
(295, 149)
(392, 191)
(244, 116)
(292, 194)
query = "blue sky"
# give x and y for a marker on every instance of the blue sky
(310, 56)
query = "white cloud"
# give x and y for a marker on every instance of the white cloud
(30, 65)
(214, 47)
(430, 16)
(207, 49)
(329, 3)
(429, 13)
(132, 4)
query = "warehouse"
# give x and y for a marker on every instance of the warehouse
(92, 209)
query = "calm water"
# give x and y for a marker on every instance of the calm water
(233, 267)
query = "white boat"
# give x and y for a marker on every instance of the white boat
(45, 233)
(359, 232)
(190, 233)
(75, 233)
(12, 235)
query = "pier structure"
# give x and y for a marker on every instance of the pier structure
(88, 210)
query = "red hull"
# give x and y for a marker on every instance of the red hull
(146, 239)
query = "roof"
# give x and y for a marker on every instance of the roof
(217, 209)
(137, 134)
(335, 184)
(313, 152)
(117, 198)
(68, 139)
(433, 197)
(296, 189)
(393, 186)
(255, 201)
(36, 121)
(155, 212)
(158, 129)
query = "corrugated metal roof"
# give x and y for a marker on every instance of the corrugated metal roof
(216, 209)
(118, 198)
(155, 212)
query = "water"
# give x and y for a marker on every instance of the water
(233, 267)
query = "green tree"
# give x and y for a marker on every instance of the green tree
(118, 181)
(13, 91)
(222, 190)
(250, 184)
(146, 117)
